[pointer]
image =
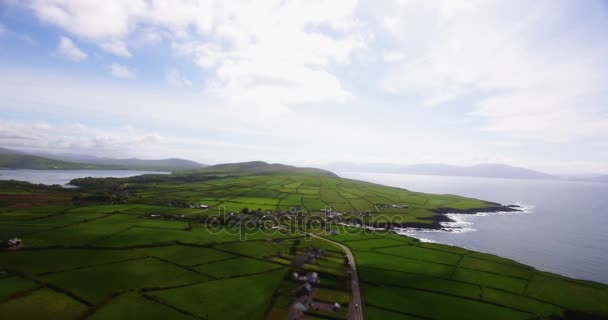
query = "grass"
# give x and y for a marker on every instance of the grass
(505, 269)
(97, 283)
(422, 282)
(519, 302)
(435, 305)
(185, 255)
(332, 296)
(60, 259)
(376, 313)
(42, 304)
(134, 306)
(236, 298)
(569, 294)
(493, 280)
(257, 249)
(14, 285)
(418, 253)
(382, 261)
(236, 267)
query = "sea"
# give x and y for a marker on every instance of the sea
(563, 227)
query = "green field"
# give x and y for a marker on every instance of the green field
(138, 248)
(405, 281)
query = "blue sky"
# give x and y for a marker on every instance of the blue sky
(309, 82)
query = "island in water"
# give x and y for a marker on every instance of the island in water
(258, 241)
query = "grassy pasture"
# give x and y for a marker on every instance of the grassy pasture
(235, 298)
(418, 281)
(8, 231)
(65, 219)
(435, 305)
(328, 295)
(418, 253)
(489, 266)
(185, 255)
(402, 280)
(381, 243)
(493, 280)
(381, 261)
(82, 233)
(13, 285)
(376, 313)
(133, 306)
(569, 294)
(42, 304)
(98, 283)
(60, 259)
(258, 249)
(236, 267)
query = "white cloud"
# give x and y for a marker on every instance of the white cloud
(120, 71)
(530, 84)
(68, 49)
(393, 56)
(2, 28)
(116, 47)
(77, 138)
(510, 71)
(177, 79)
(88, 19)
(288, 46)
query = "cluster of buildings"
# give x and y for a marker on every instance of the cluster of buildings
(198, 206)
(303, 295)
(394, 206)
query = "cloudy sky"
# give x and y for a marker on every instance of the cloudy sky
(309, 82)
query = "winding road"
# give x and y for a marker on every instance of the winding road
(355, 313)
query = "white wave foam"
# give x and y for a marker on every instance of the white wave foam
(460, 223)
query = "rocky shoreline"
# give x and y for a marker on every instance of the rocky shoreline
(441, 216)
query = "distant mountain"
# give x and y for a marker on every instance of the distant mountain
(10, 151)
(89, 161)
(172, 163)
(600, 178)
(480, 170)
(254, 167)
(25, 161)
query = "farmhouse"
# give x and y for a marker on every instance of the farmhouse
(199, 206)
(11, 243)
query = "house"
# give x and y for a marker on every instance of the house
(304, 290)
(312, 278)
(11, 243)
(299, 306)
(297, 311)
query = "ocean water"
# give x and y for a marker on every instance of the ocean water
(563, 229)
(63, 177)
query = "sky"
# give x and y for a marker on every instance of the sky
(309, 82)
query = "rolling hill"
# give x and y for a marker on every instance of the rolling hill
(16, 159)
(255, 167)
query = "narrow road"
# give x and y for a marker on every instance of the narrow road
(355, 313)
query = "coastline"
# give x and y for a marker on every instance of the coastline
(442, 216)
